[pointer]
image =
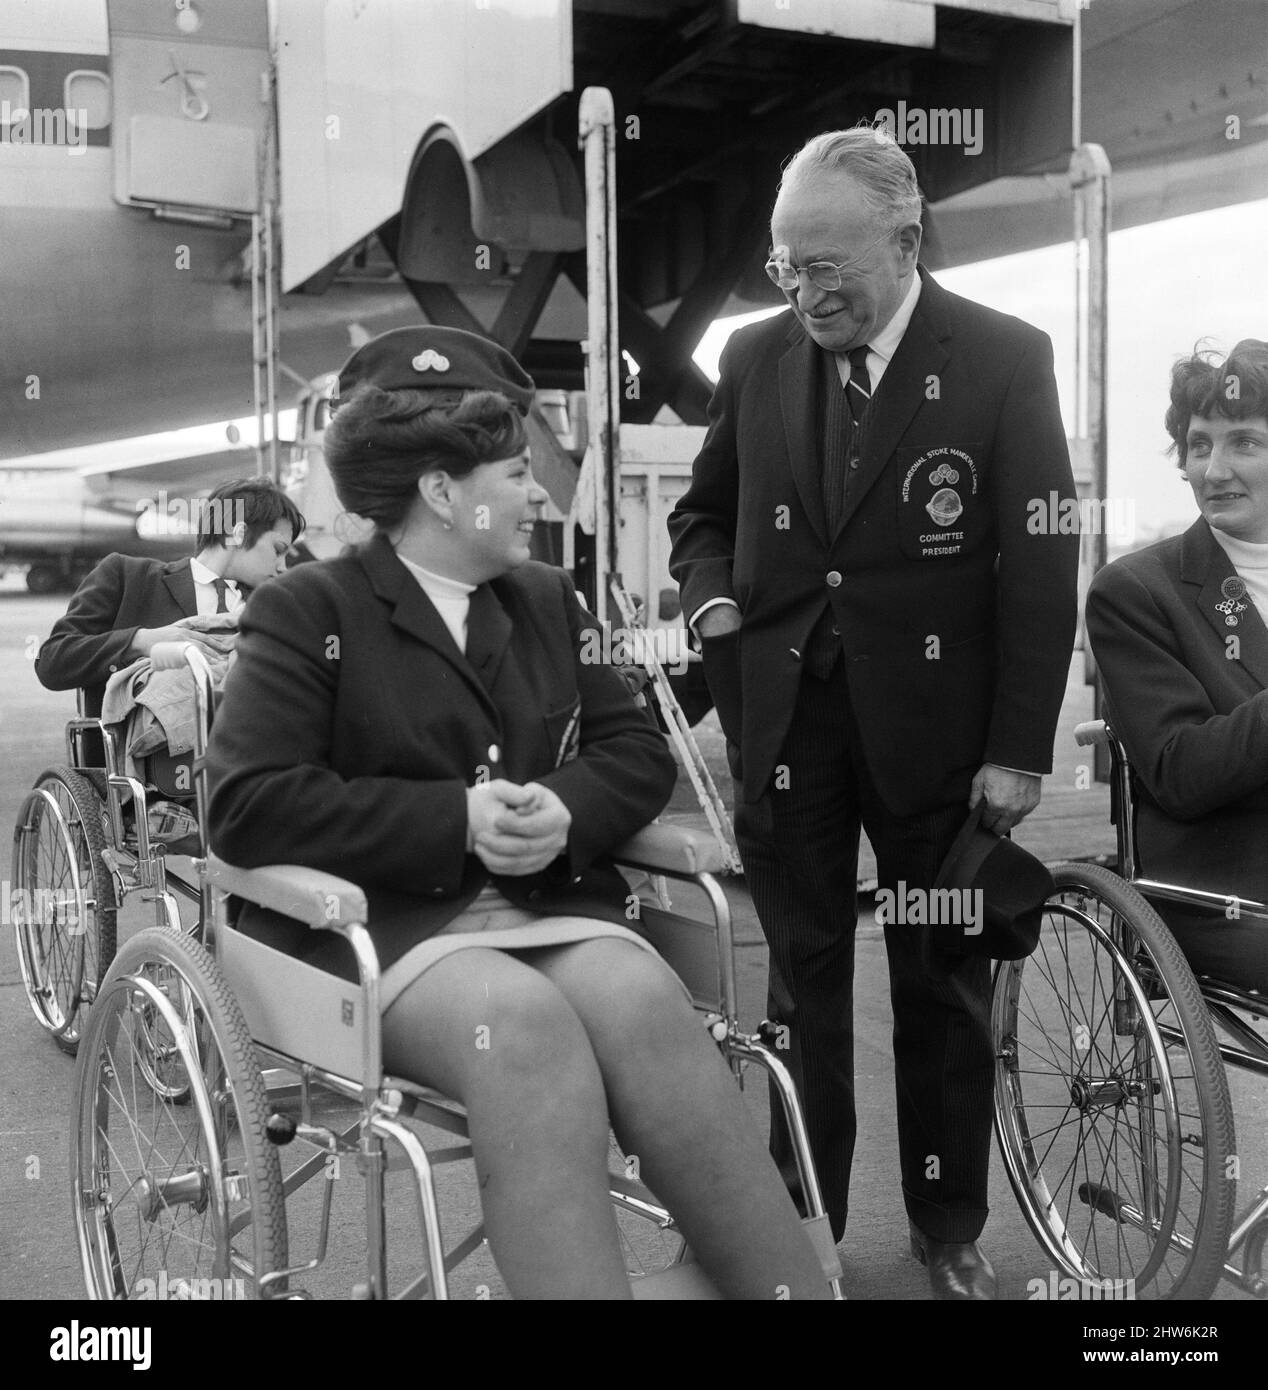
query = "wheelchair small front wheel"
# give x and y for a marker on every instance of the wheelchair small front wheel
(172, 1201)
(1112, 1108)
(63, 903)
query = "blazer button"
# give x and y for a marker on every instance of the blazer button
(834, 579)
(534, 894)
(438, 892)
(794, 653)
(495, 753)
(836, 631)
(854, 463)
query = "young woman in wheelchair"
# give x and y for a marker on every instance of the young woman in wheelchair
(416, 716)
(1178, 631)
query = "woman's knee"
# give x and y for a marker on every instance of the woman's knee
(488, 1021)
(633, 991)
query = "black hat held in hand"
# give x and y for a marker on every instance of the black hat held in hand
(1013, 887)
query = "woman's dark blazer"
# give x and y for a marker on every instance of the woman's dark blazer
(352, 726)
(1188, 695)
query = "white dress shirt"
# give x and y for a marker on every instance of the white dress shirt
(883, 345)
(205, 590)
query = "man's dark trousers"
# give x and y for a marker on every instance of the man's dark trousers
(799, 844)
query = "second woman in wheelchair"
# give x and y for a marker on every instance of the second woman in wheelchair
(1178, 630)
(416, 717)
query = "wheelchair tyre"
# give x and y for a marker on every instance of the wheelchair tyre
(1112, 1108)
(65, 910)
(177, 1201)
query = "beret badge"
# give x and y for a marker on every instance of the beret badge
(430, 360)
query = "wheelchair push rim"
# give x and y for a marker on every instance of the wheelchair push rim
(1112, 1108)
(63, 904)
(172, 1201)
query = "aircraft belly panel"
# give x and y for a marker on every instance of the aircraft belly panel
(359, 87)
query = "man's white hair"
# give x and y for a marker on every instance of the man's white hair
(873, 158)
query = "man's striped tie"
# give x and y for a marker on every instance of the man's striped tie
(859, 391)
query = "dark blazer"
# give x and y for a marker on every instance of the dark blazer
(957, 638)
(351, 727)
(1191, 708)
(91, 641)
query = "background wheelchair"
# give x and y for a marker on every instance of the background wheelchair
(83, 842)
(186, 1155)
(1112, 1105)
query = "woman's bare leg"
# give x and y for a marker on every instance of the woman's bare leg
(676, 1106)
(501, 1038)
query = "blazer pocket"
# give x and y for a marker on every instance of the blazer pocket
(563, 732)
(721, 657)
(943, 511)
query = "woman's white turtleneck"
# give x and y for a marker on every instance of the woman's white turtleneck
(1250, 560)
(453, 598)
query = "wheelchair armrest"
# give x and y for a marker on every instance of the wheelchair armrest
(671, 849)
(308, 895)
(1092, 731)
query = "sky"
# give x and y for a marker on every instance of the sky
(1171, 284)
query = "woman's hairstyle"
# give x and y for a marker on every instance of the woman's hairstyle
(258, 502)
(380, 443)
(1207, 384)
(870, 155)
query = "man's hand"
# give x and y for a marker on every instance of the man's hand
(1010, 796)
(516, 830)
(718, 621)
(148, 637)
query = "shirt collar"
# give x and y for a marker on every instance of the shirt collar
(203, 575)
(437, 583)
(885, 343)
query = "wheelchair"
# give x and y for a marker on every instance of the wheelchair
(217, 1077)
(82, 844)
(1112, 1106)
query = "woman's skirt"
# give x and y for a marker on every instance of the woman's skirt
(493, 923)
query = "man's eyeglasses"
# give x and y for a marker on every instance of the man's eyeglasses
(824, 274)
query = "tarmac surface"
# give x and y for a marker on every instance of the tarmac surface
(38, 1254)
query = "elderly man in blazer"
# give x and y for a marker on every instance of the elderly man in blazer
(886, 625)
(1179, 635)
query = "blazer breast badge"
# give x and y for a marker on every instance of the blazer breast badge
(1234, 590)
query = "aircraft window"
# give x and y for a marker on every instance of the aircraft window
(15, 93)
(321, 414)
(89, 92)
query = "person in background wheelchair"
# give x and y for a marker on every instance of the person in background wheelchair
(416, 717)
(127, 604)
(1178, 631)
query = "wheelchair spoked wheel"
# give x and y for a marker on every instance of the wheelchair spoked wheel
(63, 907)
(649, 1240)
(172, 1201)
(1111, 1104)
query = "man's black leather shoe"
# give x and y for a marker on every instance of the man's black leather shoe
(957, 1269)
